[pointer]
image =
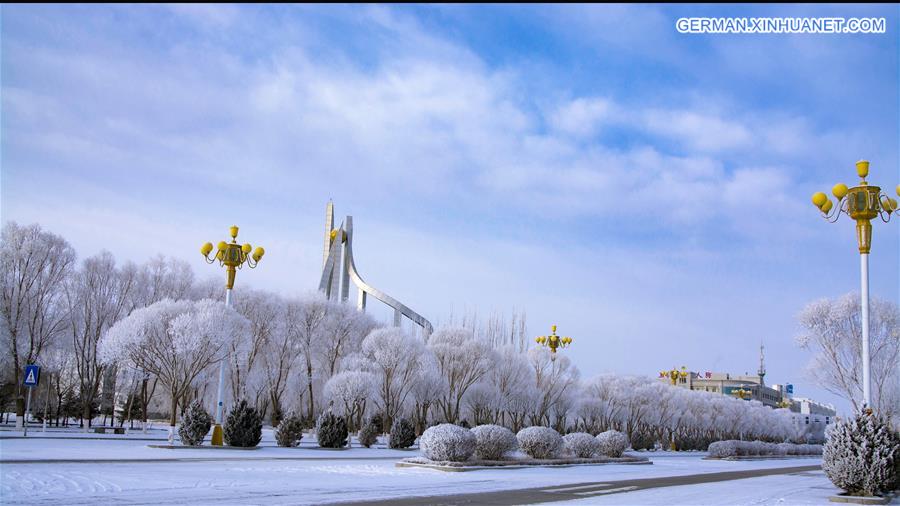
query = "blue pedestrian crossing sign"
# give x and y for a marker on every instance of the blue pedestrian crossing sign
(32, 375)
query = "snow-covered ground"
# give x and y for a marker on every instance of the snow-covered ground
(306, 475)
(811, 487)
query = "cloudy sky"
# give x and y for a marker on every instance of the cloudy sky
(646, 190)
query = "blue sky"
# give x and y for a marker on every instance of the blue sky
(646, 190)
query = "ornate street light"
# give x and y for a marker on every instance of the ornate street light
(232, 256)
(674, 375)
(553, 341)
(862, 203)
(741, 393)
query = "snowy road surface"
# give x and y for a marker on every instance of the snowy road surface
(263, 477)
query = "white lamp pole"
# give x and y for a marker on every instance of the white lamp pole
(864, 295)
(220, 403)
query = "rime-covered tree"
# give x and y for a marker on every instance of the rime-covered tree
(349, 391)
(304, 319)
(462, 361)
(395, 359)
(34, 265)
(97, 295)
(832, 329)
(175, 341)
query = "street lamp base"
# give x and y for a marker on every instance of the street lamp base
(217, 439)
(672, 446)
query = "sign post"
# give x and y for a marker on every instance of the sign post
(32, 376)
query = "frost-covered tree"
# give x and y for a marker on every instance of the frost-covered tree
(512, 376)
(290, 431)
(175, 341)
(243, 426)
(349, 391)
(832, 330)
(554, 379)
(368, 434)
(97, 295)
(395, 359)
(304, 320)
(33, 268)
(427, 388)
(343, 331)
(331, 430)
(462, 361)
(195, 425)
(862, 455)
(262, 310)
(403, 434)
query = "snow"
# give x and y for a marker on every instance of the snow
(274, 475)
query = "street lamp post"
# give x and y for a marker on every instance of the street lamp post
(232, 256)
(553, 341)
(862, 203)
(674, 375)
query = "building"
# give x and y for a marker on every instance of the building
(810, 417)
(747, 387)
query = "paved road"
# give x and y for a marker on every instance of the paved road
(577, 490)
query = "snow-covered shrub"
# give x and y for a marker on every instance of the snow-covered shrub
(331, 430)
(368, 434)
(862, 455)
(748, 448)
(403, 434)
(290, 431)
(612, 443)
(723, 449)
(581, 444)
(539, 442)
(243, 427)
(447, 442)
(493, 441)
(733, 448)
(194, 425)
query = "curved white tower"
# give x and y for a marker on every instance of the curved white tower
(338, 259)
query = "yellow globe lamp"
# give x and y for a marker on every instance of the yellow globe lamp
(840, 190)
(819, 199)
(206, 249)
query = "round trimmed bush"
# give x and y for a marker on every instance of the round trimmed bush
(368, 434)
(447, 442)
(723, 449)
(493, 441)
(331, 431)
(243, 427)
(290, 430)
(539, 442)
(195, 425)
(581, 444)
(612, 443)
(403, 434)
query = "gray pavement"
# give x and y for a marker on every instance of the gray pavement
(574, 491)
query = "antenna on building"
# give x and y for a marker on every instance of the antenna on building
(762, 364)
